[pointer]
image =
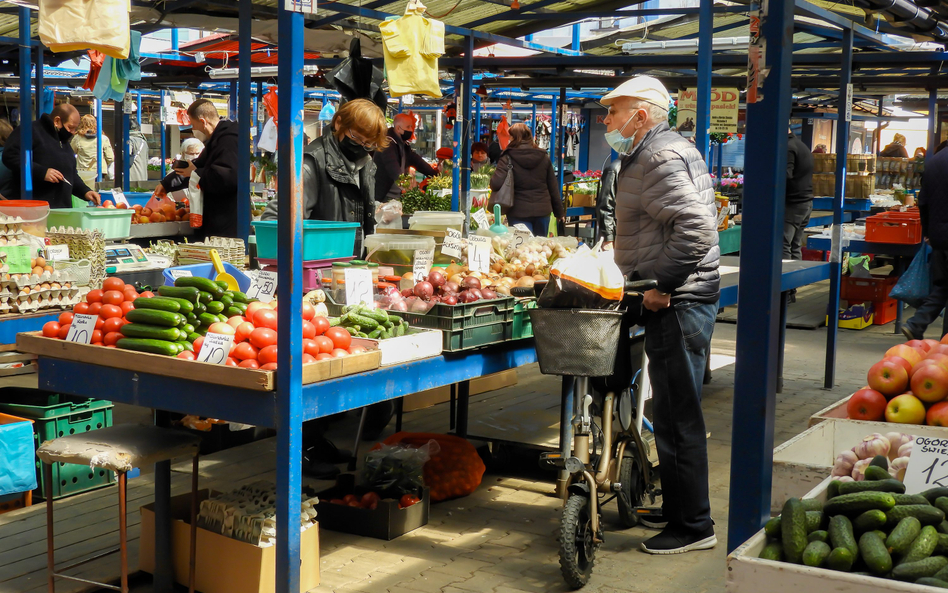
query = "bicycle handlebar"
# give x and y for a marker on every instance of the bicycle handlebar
(640, 285)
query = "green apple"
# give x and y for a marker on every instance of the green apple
(905, 409)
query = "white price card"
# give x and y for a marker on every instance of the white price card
(81, 328)
(57, 252)
(216, 348)
(480, 217)
(358, 287)
(478, 254)
(423, 260)
(518, 238)
(928, 465)
(453, 245)
(264, 288)
(175, 274)
(119, 197)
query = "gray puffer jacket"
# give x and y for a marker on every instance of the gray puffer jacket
(666, 228)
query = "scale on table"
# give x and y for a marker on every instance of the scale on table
(130, 263)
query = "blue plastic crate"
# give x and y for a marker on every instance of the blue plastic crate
(208, 271)
(321, 239)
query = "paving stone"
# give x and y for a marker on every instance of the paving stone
(462, 566)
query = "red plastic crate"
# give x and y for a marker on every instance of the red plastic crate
(894, 227)
(875, 289)
(884, 311)
(12, 502)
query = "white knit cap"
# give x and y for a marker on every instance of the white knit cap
(645, 88)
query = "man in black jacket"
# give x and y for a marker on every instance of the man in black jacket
(395, 160)
(799, 201)
(933, 208)
(55, 178)
(216, 168)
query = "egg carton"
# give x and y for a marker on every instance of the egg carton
(44, 292)
(20, 280)
(88, 244)
(249, 514)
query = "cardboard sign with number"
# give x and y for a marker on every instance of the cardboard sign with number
(119, 197)
(422, 265)
(480, 217)
(358, 287)
(81, 328)
(478, 254)
(57, 252)
(264, 289)
(518, 238)
(180, 273)
(18, 258)
(453, 245)
(928, 465)
(216, 348)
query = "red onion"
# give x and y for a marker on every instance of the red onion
(488, 294)
(467, 297)
(470, 282)
(408, 292)
(449, 299)
(436, 278)
(477, 293)
(424, 290)
(419, 306)
(399, 306)
(451, 287)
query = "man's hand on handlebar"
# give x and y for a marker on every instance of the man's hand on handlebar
(656, 301)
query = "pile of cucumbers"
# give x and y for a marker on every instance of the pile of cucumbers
(169, 323)
(870, 527)
(362, 321)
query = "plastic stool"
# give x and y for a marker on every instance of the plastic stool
(120, 449)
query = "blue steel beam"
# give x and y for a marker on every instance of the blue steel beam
(755, 378)
(554, 122)
(162, 146)
(290, 291)
(244, 121)
(335, 18)
(842, 149)
(705, 43)
(467, 92)
(26, 108)
(456, 204)
(644, 12)
(932, 120)
(561, 139)
(805, 8)
(39, 80)
(98, 143)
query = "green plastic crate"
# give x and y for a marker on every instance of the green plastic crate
(522, 325)
(475, 337)
(55, 416)
(114, 223)
(451, 318)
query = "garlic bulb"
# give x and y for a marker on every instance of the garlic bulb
(896, 440)
(897, 467)
(872, 445)
(859, 470)
(843, 466)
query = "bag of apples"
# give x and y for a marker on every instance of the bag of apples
(454, 470)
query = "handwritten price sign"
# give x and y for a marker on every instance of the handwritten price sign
(81, 328)
(478, 254)
(422, 265)
(928, 465)
(175, 274)
(216, 348)
(358, 287)
(264, 289)
(480, 217)
(453, 245)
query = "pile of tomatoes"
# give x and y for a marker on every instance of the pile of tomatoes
(255, 338)
(111, 303)
(370, 501)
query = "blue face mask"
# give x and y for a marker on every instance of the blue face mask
(620, 143)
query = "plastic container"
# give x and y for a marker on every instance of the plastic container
(436, 221)
(321, 239)
(208, 271)
(339, 274)
(904, 228)
(884, 311)
(114, 223)
(397, 251)
(33, 212)
(522, 325)
(875, 289)
(19, 452)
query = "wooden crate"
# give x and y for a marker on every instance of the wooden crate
(166, 366)
(835, 410)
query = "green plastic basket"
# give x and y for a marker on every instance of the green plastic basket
(475, 337)
(522, 325)
(115, 223)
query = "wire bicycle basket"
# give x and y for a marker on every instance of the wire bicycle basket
(576, 342)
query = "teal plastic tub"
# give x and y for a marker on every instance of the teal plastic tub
(321, 239)
(115, 223)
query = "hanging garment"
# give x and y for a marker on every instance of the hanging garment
(268, 137)
(356, 78)
(412, 45)
(115, 74)
(271, 103)
(503, 132)
(327, 112)
(95, 66)
(75, 25)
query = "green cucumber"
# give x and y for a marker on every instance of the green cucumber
(820, 535)
(869, 521)
(942, 546)
(241, 306)
(183, 292)
(222, 284)
(812, 504)
(375, 333)
(352, 331)
(901, 538)
(153, 317)
(238, 296)
(816, 553)
(192, 319)
(832, 490)
(335, 321)
(772, 551)
(933, 493)
(205, 297)
(882, 535)
(152, 332)
(379, 315)
(923, 546)
(912, 571)
(840, 559)
(193, 336)
(874, 553)
(215, 307)
(145, 345)
(925, 513)
(874, 472)
(401, 329)
(813, 518)
(942, 527)
(157, 303)
(880, 461)
(207, 319)
(362, 321)
(932, 582)
(772, 527)
(186, 345)
(942, 574)
(202, 284)
(186, 305)
(227, 299)
(841, 534)
(199, 308)
(179, 346)
(859, 502)
(793, 530)
(187, 329)
(232, 311)
(889, 484)
(941, 503)
(910, 499)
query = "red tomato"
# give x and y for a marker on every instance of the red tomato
(250, 363)
(245, 351)
(309, 330)
(99, 323)
(111, 338)
(370, 500)
(339, 353)
(309, 311)
(96, 344)
(108, 311)
(51, 329)
(96, 335)
(356, 349)
(94, 308)
(147, 294)
(268, 354)
(254, 307)
(407, 500)
(65, 317)
(262, 337)
(197, 344)
(94, 296)
(222, 328)
(350, 498)
(355, 504)
(322, 324)
(82, 308)
(113, 283)
(126, 307)
(308, 358)
(235, 321)
(270, 366)
(325, 344)
(243, 331)
(111, 346)
(323, 356)
(113, 297)
(187, 355)
(112, 325)
(310, 347)
(231, 362)
(265, 318)
(340, 337)
(63, 331)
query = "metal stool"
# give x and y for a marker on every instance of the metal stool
(119, 449)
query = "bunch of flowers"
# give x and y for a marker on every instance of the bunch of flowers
(586, 182)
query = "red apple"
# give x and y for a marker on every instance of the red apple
(907, 352)
(944, 339)
(931, 343)
(905, 364)
(940, 348)
(938, 357)
(919, 345)
(905, 409)
(888, 377)
(937, 415)
(866, 404)
(930, 383)
(922, 364)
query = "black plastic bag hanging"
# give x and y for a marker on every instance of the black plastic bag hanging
(356, 78)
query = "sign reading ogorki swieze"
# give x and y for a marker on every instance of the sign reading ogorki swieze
(725, 103)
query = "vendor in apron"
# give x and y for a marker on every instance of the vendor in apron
(397, 159)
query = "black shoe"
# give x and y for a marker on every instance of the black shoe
(655, 521)
(677, 541)
(909, 334)
(323, 449)
(320, 470)
(378, 417)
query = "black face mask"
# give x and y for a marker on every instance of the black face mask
(65, 135)
(406, 135)
(352, 150)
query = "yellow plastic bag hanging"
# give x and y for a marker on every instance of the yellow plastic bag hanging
(74, 25)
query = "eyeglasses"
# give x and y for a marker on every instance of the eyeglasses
(370, 146)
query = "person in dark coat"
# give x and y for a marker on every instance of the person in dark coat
(55, 178)
(799, 197)
(395, 160)
(191, 149)
(606, 204)
(216, 167)
(896, 148)
(536, 189)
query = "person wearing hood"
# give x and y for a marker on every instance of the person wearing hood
(536, 189)
(137, 152)
(55, 177)
(896, 148)
(479, 158)
(216, 168)
(85, 143)
(191, 149)
(397, 159)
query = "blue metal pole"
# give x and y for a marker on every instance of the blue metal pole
(554, 129)
(561, 138)
(290, 291)
(456, 205)
(244, 120)
(465, 126)
(576, 37)
(127, 143)
(232, 100)
(138, 104)
(26, 109)
(39, 80)
(162, 148)
(477, 118)
(584, 137)
(174, 39)
(932, 121)
(755, 380)
(98, 141)
(533, 120)
(842, 150)
(705, 42)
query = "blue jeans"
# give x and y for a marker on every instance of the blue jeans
(539, 226)
(677, 340)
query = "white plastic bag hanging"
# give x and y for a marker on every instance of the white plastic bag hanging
(196, 200)
(73, 25)
(588, 279)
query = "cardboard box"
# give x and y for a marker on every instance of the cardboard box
(414, 345)
(439, 395)
(857, 316)
(386, 522)
(224, 565)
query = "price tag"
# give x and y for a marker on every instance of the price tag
(175, 274)
(453, 245)
(57, 252)
(358, 287)
(480, 217)
(520, 236)
(216, 348)
(423, 260)
(264, 289)
(81, 328)
(928, 465)
(18, 258)
(478, 253)
(119, 197)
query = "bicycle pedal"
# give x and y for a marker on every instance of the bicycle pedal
(648, 512)
(556, 460)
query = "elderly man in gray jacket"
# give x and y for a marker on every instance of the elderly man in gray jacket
(666, 230)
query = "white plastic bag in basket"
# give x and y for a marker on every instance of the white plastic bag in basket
(588, 279)
(196, 201)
